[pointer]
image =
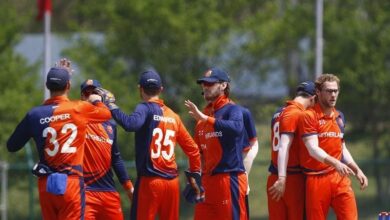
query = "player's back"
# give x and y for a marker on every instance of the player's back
(164, 140)
(285, 121)
(58, 129)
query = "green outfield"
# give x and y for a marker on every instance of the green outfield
(20, 206)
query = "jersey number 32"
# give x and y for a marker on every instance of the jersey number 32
(66, 148)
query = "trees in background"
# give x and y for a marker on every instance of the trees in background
(357, 39)
(180, 39)
(19, 88)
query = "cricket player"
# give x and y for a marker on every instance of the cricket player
(219, 133)
(101, 153)
(326, 160)
(286, 183)
(58, 128)
(157, 130)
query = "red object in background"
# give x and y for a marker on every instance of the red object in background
(43, 6)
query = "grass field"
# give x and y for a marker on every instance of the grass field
(20, 206)
(18, 198)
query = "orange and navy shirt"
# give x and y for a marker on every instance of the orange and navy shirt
(220, 137)
(330, 133)
(102, 153)
(157, 130)
(58, 128)
(285, 121)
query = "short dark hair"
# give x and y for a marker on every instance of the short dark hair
(152, 91)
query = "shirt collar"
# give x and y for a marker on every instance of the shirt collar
(56, 100)
(217, 104)
(158, 101)
(320, 113)
(297, 104)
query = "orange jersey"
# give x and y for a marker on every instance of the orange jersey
(157, 130)
(285, 121)
(330, 132)
(58, 128)
(97, 159)
(220, 137)
(102, 154)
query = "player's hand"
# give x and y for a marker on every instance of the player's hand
(94, 98)
(107, 97)
(362, 179)
(277, 189)
(130, 193)
(194, 191)
(343, 169)
(194, 111)
(66, 64)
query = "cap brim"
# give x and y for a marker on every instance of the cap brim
(207, 79)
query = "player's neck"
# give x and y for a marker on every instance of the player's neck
(58, 93)
(303, 101)
(147, 98)
(328, 111)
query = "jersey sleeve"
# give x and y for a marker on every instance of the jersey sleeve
(249, 124)
(132, 122)
(233, 124)
(117, 161)
(93, 112)
(308, 124)
(341, 122)
(189, 147)
(20, 136)
(289, 122)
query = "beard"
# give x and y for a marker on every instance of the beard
(210, 97)
(328, 103)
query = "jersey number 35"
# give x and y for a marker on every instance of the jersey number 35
(166, 154)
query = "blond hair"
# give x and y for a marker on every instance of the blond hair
(326, 77)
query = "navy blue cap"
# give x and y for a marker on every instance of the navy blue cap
(90, 83)
(214, 75)
(57, 78)
(150, 79)
(308, 87)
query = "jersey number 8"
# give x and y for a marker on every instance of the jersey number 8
(276, 138)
